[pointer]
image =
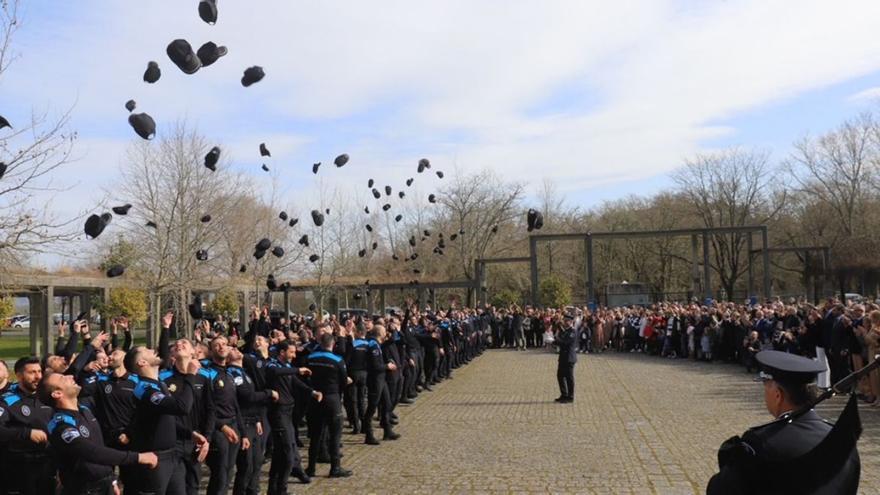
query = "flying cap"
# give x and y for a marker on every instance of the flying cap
(115, 271)
(293, 221)
(264, 151)
(534, 219)
(423, 164)
(3, 168)
(4, 123)
(362, 253)
(96, 224)
(205, 219)
(278, 251)
(376, 193)
(208, 11)
(181, 53)
(370, 183)
(341, 160)
(151, 224)
(259, 253)
(210, 53)
(270, 282)
(432, 198)
(318, 218)
(398, 218)
(388, 190)
(202, 255)
(252, 75)
(242, 269)
(386, 207)
(367, 210)
(152, 74)
(375, 245)
(313, 258)
(264, 244)
(401, 194)
(212, 158)
(265, 168)
(787, 368)
(283, 216)
(195, 309)
(439, 174)
(409, 182)
(369, 228)
(304, 240)
(122, 210)
(143, 125)
(130, 105)
(315, 167)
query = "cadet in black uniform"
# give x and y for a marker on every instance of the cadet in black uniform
(195, 429)
(253, 404)
(229, 426)
(154, 425)
(281, 377)
(798, 453)
(567, 340)
(24, 419)
(85, 465)
(356, 393)
(329, 377)
(377, 366)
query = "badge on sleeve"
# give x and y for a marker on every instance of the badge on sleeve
(25, 411)
(157, 397)
(172, 387)
(69, 435)
(238, 381)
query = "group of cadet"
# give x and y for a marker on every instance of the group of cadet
(97, 417)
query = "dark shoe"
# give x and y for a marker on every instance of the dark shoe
(371, 440)
(338, 472)
(390, 435)
(429, 389)
(394, 421)
(567, 400)
(561, 398)
(310, 471)
(301, 476)
(405, 401)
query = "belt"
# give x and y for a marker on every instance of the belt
(251, 421)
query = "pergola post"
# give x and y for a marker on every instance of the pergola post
(382, 301)
(750, 277)
(533, 266)
(286, 304)
(591, 283)
(765, 244)
(707, 281)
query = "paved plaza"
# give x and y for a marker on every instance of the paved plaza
(639, 425)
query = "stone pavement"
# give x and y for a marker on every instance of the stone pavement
(639, 425)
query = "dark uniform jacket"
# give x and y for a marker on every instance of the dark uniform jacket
(77, 444)
(19, 414)
(567, 340)
(779, 441)
(154, 428)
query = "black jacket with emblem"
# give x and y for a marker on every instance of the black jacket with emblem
(19, 414)
(76, 443)
(153, 428)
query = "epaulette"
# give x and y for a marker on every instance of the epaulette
(10, 398)
(208, 373)
(142, 387)
(325, 354)
(60, 418)
(165, 374)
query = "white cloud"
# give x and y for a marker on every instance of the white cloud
(870, 95)
(454, 80)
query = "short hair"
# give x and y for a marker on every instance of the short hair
(131, 358)
(44, 392)
(327, 340)
(281, 346)
(22, 362)
(799, 394)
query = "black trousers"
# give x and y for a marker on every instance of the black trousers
(325, 416)
(377, 391)
(221, 461)
(100, 487)
(146, 481)
(355, 398)
(285, 455)
(565, 377)
(430, 367)
(249, 462)
(27, 474)
(187, 471)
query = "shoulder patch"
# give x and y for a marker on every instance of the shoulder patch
(325, 355)
(69, 435)
(165, 374)
(11, 399)
(157, 397)
(143, 387)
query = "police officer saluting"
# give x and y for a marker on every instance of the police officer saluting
(799, 452)
(330, 378)
(85, 464)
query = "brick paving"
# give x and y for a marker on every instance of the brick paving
(639, 425)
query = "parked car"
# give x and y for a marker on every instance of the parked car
(12, 319)
(852, 296)
(23, 323)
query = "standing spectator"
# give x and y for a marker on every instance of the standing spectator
(751, 346)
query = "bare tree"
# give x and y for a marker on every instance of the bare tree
(31, 151)
(727, 189)
(171, 192)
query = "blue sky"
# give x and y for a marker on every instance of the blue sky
(603, 98)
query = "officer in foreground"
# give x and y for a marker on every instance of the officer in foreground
(75, 435)
(799, 452)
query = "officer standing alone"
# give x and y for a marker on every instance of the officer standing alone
(567, 340)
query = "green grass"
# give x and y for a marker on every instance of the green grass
(14, 347)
